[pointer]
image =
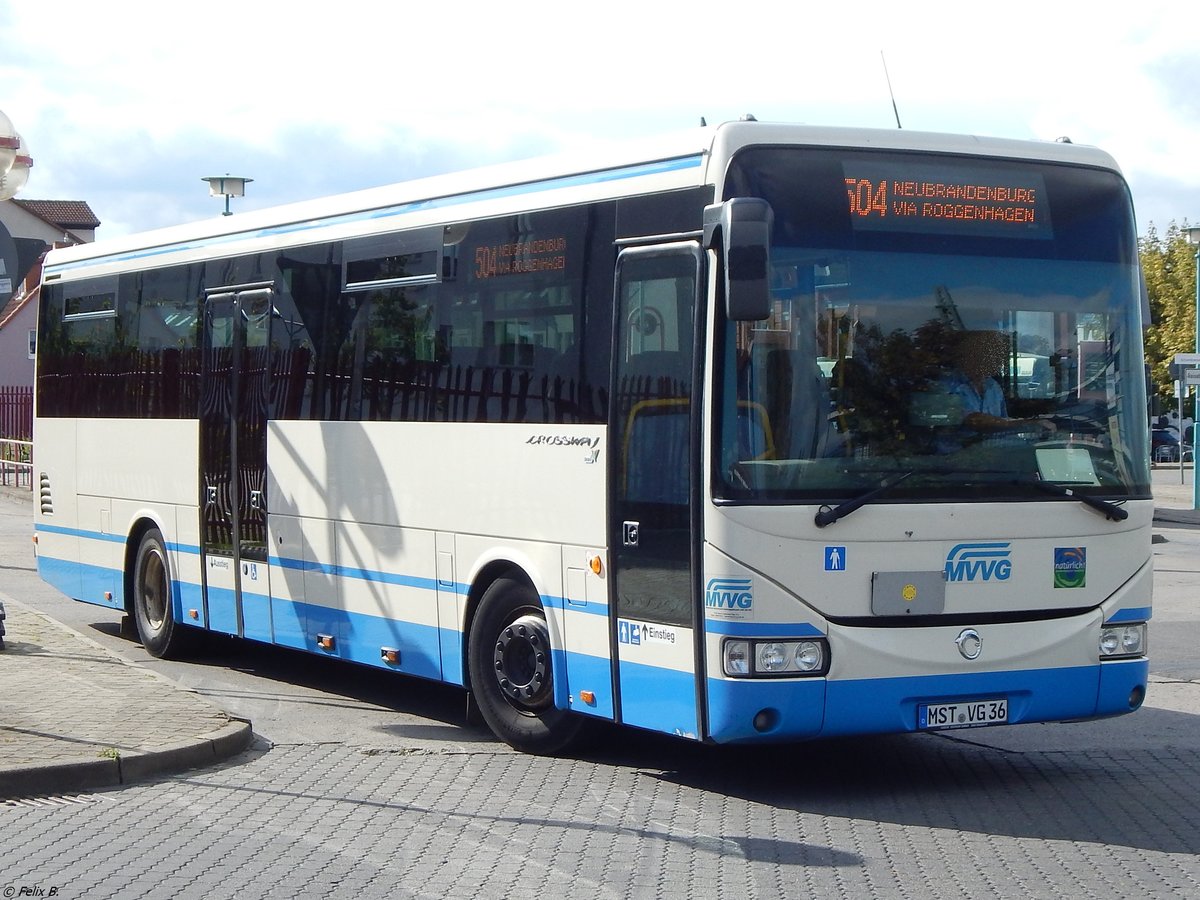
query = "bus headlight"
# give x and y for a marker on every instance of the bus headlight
(1122, 641)
(743, 658)
(737, 657)
(770, 658)
(809, 656)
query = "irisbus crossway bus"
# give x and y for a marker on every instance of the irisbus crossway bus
(754, 433)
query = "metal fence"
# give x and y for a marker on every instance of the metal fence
(16, 463)
(16, 436)
(16, 413)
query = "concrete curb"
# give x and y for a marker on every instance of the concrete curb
(82, 772)
(203, 751)
(90, 774)
(1187, 517)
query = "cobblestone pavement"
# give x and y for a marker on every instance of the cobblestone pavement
(918, 816)
(75, 716)
(1103, 810)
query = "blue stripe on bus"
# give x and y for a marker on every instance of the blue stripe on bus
(67, 580)
(188, 596)
(760, 629)
(360, 574)
(360, 638)
(110, 538)
(797, 706)
(222, 610)
(82, 581)
(357, 637)
(659, 699)
(426, 650)
(583, 672)
(1130, 614)
(652, 697)
(78, 532)
(601, 177)
(805, 708)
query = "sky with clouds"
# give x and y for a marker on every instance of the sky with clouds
(128, 104)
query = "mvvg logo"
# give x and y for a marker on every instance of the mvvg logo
(729, 593)
(985, 561)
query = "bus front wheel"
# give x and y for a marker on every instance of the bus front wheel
(152, 607)
(509, 660)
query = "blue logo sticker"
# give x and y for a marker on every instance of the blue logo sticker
(629, 632)
(835, 559)
(729, 593)
(985, 561)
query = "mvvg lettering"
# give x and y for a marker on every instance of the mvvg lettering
(729, 593)
(986, 561)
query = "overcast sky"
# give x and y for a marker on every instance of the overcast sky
(128, 104)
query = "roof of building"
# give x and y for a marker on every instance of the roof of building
(63, 213)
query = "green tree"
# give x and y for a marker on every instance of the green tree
(1169, 266)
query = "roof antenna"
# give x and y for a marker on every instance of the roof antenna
(890, 92)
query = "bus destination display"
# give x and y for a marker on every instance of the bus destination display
(955, 199)
(523, 257)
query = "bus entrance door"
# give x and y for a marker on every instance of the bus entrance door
(233, 458)
(651, 454)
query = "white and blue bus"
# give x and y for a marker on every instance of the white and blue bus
(754, 433)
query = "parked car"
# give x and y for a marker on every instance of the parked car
(1165, 446)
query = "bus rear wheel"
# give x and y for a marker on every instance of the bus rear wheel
(509, 661)
(152, 607)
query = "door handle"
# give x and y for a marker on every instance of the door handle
(629, 533)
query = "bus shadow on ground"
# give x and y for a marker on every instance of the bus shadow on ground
(1089, 785)
(337, 682)
(1133, 781)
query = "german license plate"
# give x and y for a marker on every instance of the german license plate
(964, 714)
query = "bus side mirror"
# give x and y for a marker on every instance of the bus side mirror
(743, 225)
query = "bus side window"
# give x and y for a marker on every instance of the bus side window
(655, 389)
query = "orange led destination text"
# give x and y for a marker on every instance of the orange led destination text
(938, 200)
(521, 257)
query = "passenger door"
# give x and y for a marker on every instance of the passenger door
(233, 460)
(654, 447)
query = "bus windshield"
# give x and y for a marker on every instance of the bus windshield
(951, 328)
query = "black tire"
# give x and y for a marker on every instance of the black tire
(509, 661)
(152, 607)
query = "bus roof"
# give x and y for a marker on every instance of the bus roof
(610, 170)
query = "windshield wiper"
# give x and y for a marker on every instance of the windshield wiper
(828, 515)
(1110, 510)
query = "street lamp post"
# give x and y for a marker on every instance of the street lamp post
(226, 186)
(15, 163)
(1193, 237)
(15, 160)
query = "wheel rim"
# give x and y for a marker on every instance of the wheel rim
(153, 585)
(522, 662)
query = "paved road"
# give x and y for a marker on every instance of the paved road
(364, 785)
